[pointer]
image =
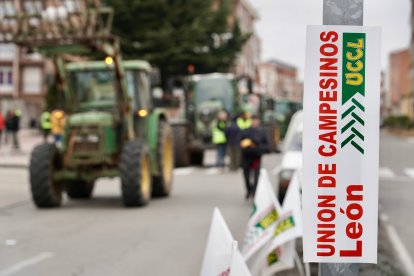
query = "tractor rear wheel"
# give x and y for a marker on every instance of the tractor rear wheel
(181, 152)
(78, 189)
(135, 171)
(161, 185)
(44, 161)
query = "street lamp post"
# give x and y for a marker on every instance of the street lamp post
(341, 12)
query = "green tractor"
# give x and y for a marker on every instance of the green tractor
(204, 96)
(112, 128)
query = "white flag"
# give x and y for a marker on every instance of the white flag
(289, 225)
(282, 258)
(262, 222)
(238, 265)
(218, 254)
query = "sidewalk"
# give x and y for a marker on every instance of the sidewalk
(12, 158)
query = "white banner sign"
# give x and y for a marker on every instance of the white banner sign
(341, 144)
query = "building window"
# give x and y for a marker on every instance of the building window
(32, 80)
(6, 80)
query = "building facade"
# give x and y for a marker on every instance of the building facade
(22, 82)
(249, 58)
(401, 100)
(280, 80)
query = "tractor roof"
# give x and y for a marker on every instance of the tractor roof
(96, 65)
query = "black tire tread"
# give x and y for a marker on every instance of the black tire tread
(41, 167)
(130, 172)
(181, 153)
(159, 186)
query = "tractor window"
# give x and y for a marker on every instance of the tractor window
(93, 89)
(143, 85)
(218, 90)
(132, 89)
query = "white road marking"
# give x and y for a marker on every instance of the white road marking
(409, 172)
(184, 171)
(10, 242)
(410, 140)
(385, 172)
(212, 171)
(26, 263)
(402, 252)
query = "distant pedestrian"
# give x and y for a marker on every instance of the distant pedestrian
(14, 127)
(254, 144)
(45, 124)
(57, 119)
(219, 138)
(233, 132)
(2, 127)
(9, 126)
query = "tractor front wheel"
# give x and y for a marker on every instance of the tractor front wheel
(161, 186)
(44, 161)
(181, 152)
(135, 171)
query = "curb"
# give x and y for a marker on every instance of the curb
(13, 166)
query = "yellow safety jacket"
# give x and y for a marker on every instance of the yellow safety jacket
(243, 124)
(58, 122)
(219, 137)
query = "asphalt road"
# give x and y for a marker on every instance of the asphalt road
(101, 237)
(397, 187)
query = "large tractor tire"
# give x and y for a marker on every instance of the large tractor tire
(46, 192)
(161, 185)
(182, 156)
(79, 189)
(197, 158)
(135, 171)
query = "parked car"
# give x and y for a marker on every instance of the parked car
(291, 155)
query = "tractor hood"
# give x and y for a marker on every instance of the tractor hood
(92, 118)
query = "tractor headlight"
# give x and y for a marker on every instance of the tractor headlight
(92, 138)
(206, 115)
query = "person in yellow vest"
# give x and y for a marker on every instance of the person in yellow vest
(219, 138)
(233, 132)
(244, 121)
(57, 119)
(45, 124)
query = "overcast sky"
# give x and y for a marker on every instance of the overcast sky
(282, 26)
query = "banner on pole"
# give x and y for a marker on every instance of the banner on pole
(341, 144)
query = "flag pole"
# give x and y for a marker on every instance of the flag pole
(341, 12)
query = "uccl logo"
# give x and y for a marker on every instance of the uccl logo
(353, 91)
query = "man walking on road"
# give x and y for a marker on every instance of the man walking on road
(254, 144)
(219, 138)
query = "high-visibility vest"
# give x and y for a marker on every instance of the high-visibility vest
(57, 119)
(244, 124)
(45, 120)
(219, 137)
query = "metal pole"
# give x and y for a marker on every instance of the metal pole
(341, 12)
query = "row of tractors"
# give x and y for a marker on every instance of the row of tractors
(114, 126)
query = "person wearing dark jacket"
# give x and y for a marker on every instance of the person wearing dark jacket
(254, 143)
